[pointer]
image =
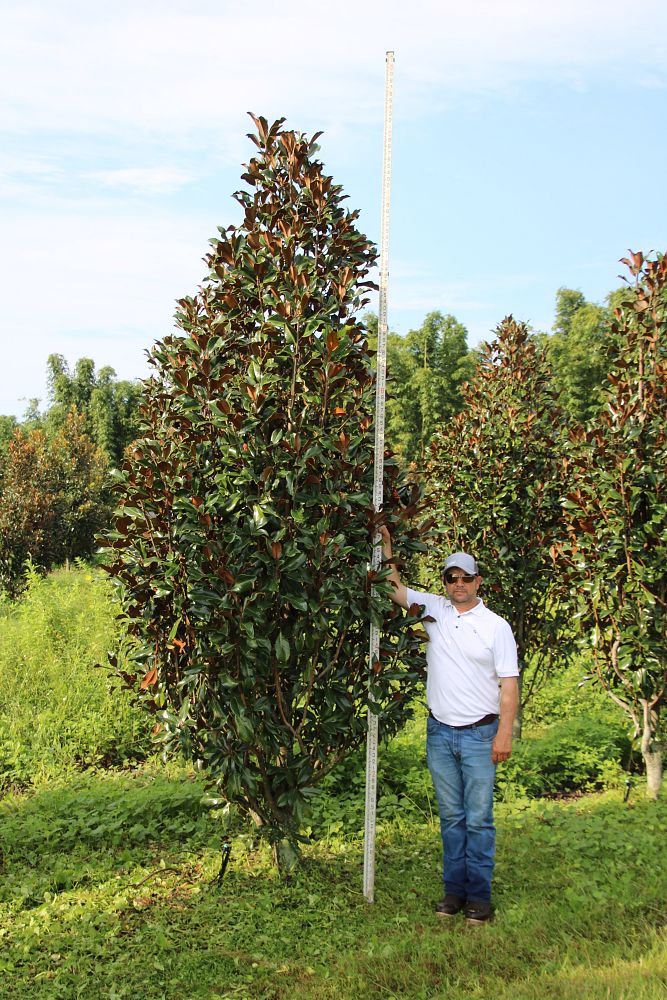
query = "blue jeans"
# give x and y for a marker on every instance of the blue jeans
(463, 777)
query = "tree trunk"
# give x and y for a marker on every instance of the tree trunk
(518, 625)
(286, 856)
(652, 754)
(286, 853)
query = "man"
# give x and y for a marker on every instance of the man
(472, 694)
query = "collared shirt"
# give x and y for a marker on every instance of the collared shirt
(467, 654)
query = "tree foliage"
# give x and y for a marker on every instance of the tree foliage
(109, 406)
(53, 500)
(616, 510)
(8, 427)
(426, 369)
(579, 353)
(495, 480)
(242, 536)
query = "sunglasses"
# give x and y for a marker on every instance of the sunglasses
(455, 577)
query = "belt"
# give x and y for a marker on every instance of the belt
(471, 725)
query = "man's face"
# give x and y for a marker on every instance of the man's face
(461, 588)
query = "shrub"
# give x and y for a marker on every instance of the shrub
(582, 751)
(574, 755)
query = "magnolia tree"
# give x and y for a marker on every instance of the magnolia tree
(495, 481)
(242, 536)
(616, 513)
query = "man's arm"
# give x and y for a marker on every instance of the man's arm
(501, 749)
(399, 594)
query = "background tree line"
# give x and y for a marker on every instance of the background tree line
(428, 367)
(54, 473)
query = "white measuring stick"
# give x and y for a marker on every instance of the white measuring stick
(378, 474)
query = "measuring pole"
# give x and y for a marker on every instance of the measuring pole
(378, 471)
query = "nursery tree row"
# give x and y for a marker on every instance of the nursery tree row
(244, 522)
(428, 368)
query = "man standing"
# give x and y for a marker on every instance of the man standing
(472, 694)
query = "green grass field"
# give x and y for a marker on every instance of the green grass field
(108, 891)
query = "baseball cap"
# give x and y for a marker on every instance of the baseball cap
(461, 560)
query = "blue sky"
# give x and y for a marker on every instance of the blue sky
(529, 153)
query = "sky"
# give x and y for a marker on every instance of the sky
(529, 153)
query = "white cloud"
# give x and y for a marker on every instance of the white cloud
(653, 82)
(20, 174)
(145, 68)
(143, 180)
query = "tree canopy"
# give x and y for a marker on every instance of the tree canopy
(426, 369)
(109, 406)
(578, 350)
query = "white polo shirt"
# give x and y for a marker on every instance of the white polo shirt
(467, 654)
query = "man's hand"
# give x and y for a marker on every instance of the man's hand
(501, 748)
(399, 593)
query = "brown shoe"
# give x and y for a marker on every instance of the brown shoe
(450, 905)
(478, 911)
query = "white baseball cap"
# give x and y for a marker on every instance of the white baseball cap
(461, 560)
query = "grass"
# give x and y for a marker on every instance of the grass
(108, 892)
